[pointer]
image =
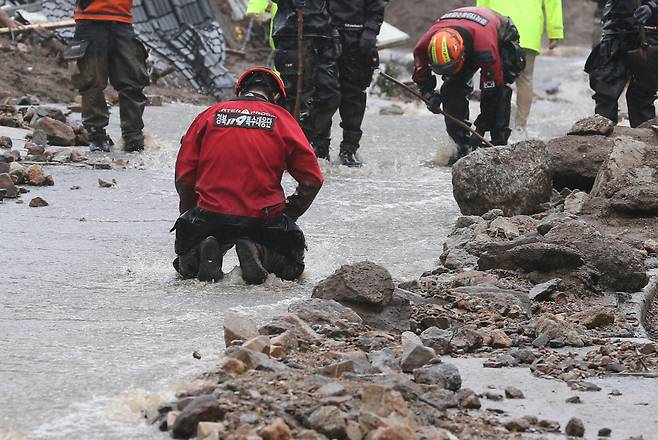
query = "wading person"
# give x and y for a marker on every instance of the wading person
(105, 48)
(608, 65)
(228, 177)
(320, 94)
(358, 23)
(459, 44)
(529, 17)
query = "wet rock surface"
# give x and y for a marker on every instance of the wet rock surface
(515, 179)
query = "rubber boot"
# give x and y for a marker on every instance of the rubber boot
(321, 148)
(188, 265)
(210, 260)
(100, 141)
(250, 257)
(348, 148)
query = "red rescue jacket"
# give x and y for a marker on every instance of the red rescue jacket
(482, 25)
(235, 153)
(107, 10)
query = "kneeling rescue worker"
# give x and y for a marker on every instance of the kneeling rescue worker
(228, 177)
(459, 44)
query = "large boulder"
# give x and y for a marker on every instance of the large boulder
(368, 289)
(629, 177)
(516, 179)
(576, 160)
(620, 266)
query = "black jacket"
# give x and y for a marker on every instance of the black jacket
(618, 16)
(317, 21)
(358, 14)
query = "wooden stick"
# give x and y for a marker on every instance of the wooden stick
(448, 116)
(36, 27)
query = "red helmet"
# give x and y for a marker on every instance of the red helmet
(446, 52)
(261, 75)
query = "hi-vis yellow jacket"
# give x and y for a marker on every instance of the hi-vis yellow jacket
(260, 7)
(529, 16)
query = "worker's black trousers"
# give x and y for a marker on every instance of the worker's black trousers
(112, 52)
(320, 92)
(281, 234)
(609, 73)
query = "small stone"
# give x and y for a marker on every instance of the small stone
(581, 385)
(201, 409)
(8, 187)
(437, 339)
(234, 366)
(278, 430)
(514, 393)
(353, 431)
(329, 420)
(574, 399)
(38, 202)
(593, 125)
(518, 425)
(410, 338)
(6, 142)
(605, 432)
(443, 375)
(171, 419)
(331, 389)
(337, 369)
(76, 156)
(415, 356)
(154, 100)
(209, 430)
(615, 393)
(237, 326)
(196, 355)
(600, 317)
(106, 183)
(648, 349)
(468, 399)
(490, 395)
(543, 291)
(550, 425)
(524, 356)
(283, 344)
(500, 339)
(260, 344)
(57, 132)
(575, 428)
(36, 176)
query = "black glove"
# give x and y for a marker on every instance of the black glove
(368, 42)
(643, 14)
(298, 4)
(434, 102)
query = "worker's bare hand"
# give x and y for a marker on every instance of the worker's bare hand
(552, 44)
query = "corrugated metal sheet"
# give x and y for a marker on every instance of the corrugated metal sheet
(183, 32)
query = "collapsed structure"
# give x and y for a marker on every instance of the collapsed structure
(182, 34)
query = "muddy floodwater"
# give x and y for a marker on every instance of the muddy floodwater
(94, 324)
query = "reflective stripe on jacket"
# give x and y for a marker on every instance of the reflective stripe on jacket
(529, 17)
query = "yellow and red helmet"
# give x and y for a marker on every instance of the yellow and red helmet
(261, 75)
(446, 52)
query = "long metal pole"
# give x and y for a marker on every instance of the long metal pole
(448, 116)
(300, 62)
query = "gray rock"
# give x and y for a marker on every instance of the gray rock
(542, 257)
(514, 393)
(493, 214)
(575, 202)
(467, 340)
(621, 267)
(6, 142)
(383, 360)
(57, 133)
(575, 428)
(553, 220)
(593, 125)
(6, 184)
(541, 292)
(361, 283)
(201, 409)
(238, 327)
(443, 375)
(515, 179)
(331, 389)
(555, 328)
(576, 160)
(415, 356)
(437, 339)
(541, 341)
(321, 311)
(636, 200)
(328, 420)
(524, 356)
